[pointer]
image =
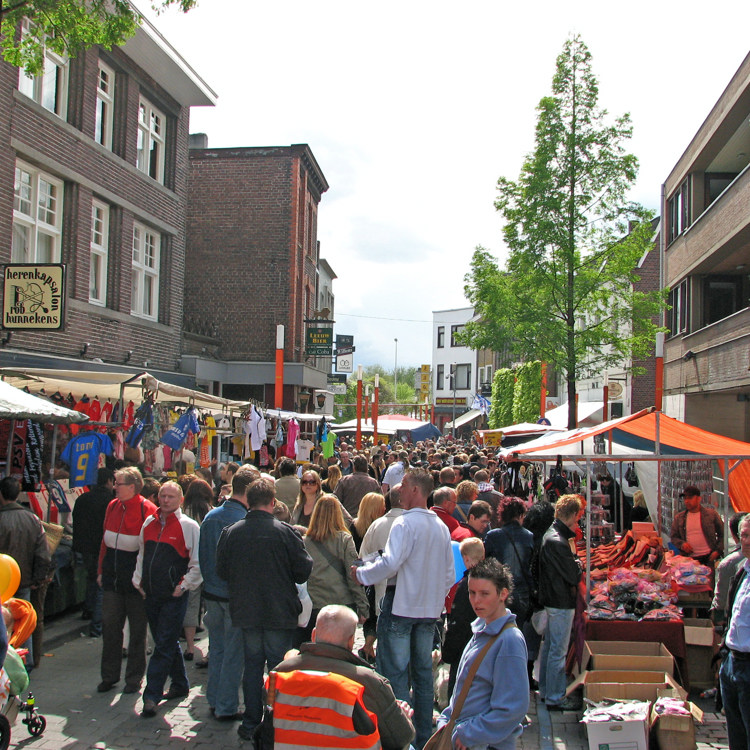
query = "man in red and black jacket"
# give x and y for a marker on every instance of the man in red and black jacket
(120, 600)
(166, 569)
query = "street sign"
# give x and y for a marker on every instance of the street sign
(345, 363)
(342, 342)
(337, 389)
(345, 350)
(334, 378)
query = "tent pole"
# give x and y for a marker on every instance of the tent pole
(588, 531)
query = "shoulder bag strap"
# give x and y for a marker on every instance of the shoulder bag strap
(334, 562)
(461, 511)
(470, 677)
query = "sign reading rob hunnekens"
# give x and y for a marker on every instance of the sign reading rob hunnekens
(33, 296)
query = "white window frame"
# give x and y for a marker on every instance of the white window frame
(37, 199)
(99, 254)
(105, 105)
(146, 272)
(151, 135)
(49, 88)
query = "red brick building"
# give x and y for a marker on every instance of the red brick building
(93, 177)
(252, 264)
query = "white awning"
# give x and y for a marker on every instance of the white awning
(465, 418)
(17, 404)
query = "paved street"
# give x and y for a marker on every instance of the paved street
(79, 718)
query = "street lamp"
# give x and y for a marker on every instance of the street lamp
(395, 376)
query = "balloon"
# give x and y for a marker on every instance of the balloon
(458, 561)
(10, 577)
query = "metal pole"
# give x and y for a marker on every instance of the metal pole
(395, 375)
(375, 410)
(453, 423)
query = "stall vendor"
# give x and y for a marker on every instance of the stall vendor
(698, 531)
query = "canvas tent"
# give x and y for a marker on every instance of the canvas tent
(652, 435)
(17, 404)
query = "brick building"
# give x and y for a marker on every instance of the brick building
(707, 270)
(93, 177)
(252, 264)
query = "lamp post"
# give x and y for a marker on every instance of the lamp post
(395, 376)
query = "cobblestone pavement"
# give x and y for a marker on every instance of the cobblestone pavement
(79, 718)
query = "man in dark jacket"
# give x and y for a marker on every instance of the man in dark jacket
(88, 530)
(698, 531)
(351, 489)
(22, 537)
(559, 575)
(262, 559)
(331, 651)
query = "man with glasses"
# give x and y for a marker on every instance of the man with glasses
(419, 554)
(120, 600)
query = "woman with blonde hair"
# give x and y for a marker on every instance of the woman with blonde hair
(333, 478)
(332, 550)
(640, 509)
(371, 507)
(310, 490)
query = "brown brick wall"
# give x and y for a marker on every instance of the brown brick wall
(68, 151)
(643, 386)
(247, 240)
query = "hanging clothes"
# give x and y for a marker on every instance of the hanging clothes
(210, 427)
(257, 428)
(143, 421)
(329, 444)
(32, 468)
(82, 456)
(177, 434)
(17, 459)
(106, 415)
(95, 411)
(292, 433)
(81, 406)
(204, 452)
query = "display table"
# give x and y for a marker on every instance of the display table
(669, 632)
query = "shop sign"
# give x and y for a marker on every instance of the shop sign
(319, 341)
(449, 401)
(33, 296)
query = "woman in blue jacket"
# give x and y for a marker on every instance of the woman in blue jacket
(498, 697)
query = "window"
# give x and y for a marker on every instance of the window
(462, 377)
(50, 87)
(37, 216)
(454, 331)
(144, 301)
(440, 337)
(722, 297)
(104, 105)
(151, 141)
(488, 375)
(439, 385)
(678, 314)
(99, 253)
(678, 211)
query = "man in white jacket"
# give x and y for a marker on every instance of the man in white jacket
(419, 554)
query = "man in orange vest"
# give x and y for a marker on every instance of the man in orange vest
(331, 651)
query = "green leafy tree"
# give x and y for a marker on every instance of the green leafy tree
(501, 411)
(347, 402)
(527, 392)
(67, 27)
(566, 294)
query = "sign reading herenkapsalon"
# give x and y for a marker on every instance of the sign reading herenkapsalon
(33, 296)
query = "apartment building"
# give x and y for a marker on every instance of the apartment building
(706, 266)
(93, 201)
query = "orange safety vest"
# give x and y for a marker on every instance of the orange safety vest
(314, 709)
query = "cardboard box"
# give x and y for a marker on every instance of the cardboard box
(646, 656)
(643, 528)
(676, 732)
(700, 642)
(599, 685)
(618, 735)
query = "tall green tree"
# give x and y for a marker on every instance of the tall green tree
(566, 294)
(67, 27)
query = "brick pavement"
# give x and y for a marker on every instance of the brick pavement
(79, 718)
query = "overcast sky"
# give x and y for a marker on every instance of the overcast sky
(413, 110)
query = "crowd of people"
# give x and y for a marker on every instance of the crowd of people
(365, 538)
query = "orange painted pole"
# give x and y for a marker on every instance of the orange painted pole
(278, 399)
(358, 441)
(375, 411)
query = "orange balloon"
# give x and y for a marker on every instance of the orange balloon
(10, 577)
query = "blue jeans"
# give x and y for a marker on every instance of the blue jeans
(735, 692)
(404, 650)
(262, 647)
(226, 660)
(165, 620)
(552, 678)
